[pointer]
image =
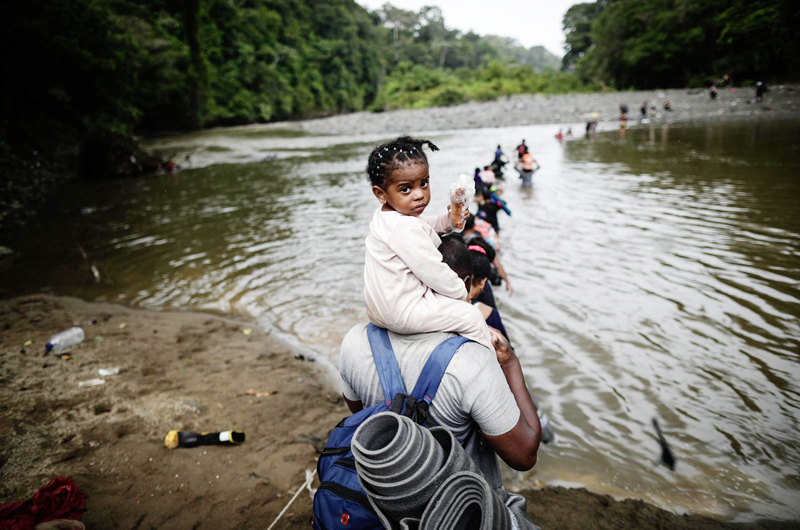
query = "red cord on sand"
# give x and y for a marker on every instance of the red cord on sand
(59, 499)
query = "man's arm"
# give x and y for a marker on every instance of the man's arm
(354, 406)
(485, 310)
(517, 447)
(502, 273)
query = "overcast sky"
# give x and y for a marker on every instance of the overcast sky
(531, 22)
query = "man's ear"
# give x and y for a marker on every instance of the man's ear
(468, 282)
(379, 193)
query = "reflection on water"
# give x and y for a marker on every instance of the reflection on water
(655, 275)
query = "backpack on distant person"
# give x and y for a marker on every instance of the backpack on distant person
(340, 502)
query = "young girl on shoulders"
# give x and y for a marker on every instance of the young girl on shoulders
(408, 289)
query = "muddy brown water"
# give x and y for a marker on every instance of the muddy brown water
(656, 274)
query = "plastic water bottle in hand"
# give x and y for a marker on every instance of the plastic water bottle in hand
(65, 339)
(461, 192)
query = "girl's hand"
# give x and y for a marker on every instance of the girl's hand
(464, 211)
(509, 289)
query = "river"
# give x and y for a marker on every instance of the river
(656, 274)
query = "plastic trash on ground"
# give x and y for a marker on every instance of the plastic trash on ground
(461, 192)
(91, 382)
(175, 438)
(65, 339)
(105, 372)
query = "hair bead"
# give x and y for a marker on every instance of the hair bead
(405, 150)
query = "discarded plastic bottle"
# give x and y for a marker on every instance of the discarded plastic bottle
(65, 339)
(175, 439)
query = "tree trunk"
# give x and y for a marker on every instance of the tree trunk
(198, 73)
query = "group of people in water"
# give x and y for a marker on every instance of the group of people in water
(720, 82)
(427, 279)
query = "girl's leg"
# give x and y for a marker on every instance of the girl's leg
(440, 313)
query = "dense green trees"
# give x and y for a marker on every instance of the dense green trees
(669, 43)
(84, 75)
(578, 31)
(87, 71)
(428, 64)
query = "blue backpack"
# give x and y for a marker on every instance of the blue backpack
(340, 502)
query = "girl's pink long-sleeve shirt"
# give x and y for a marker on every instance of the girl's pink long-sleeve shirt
(403, 266)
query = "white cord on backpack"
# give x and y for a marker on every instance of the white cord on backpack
(306, 484)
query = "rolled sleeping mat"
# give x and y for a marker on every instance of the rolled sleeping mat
(465, 500)
(399, 481)
(395, 452)
(409, 523)
(396, 459)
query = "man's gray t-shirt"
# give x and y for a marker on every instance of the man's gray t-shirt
(473, 395)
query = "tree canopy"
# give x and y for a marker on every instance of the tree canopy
(671, 43)
(89, 73)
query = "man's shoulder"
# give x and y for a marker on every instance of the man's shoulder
(355, 337)
(469, 360)
(358, 338)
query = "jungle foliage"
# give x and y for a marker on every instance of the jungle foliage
(673, 43)
(90, 68)
(87, 75)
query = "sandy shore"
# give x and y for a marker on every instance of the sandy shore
(192, 371)
(781, 102)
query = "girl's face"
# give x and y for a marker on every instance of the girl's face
(407, 191)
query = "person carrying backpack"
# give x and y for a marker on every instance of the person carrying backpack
(482, 397)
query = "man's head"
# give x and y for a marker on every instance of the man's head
(480, 270)
(469, 225)
(456, 256)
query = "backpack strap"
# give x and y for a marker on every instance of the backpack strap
(433, 371)
(385, 362)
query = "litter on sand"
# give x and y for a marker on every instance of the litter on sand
(247, 331)
(253, 393)
(104, 372)
(92, 382)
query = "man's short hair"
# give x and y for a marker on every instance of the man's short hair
(456, 256)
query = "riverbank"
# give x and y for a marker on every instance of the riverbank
(33, 178)
(195, 372)
(530, 109)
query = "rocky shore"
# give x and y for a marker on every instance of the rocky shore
(687, 105)
(196, 372)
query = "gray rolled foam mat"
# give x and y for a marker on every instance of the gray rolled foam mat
(400, 480)
(465, 500)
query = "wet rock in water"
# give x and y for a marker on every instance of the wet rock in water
(299, 356)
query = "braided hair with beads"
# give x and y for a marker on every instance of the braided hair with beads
(392, 155)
